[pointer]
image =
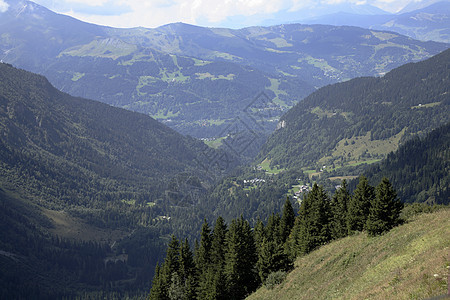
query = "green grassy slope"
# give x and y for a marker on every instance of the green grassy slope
(410, 262)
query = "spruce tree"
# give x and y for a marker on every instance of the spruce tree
(187, 271)
(292, 245)
(218, 243)
(271, 258)
(203, 260)
(164, 274)
(287, 220)
(359, 206)
(272, 229)
(313, 225)
(157, 292)
(240, 260)
(339, 209)
(385, 210)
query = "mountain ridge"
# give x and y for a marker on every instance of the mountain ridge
(196, 79)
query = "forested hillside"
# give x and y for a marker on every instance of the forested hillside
(420, 168)
(83, 183)
(362, 120)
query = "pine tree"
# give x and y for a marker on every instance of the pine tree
(203, 260)
(385, 210)
(202, 254)
(339, 209)
(287, 220)
(157, 292)
(359, 206)
(164, 274)
(187, 271)
(213, 282)
(218, 243)
(271, 258)
(272, 229)
(240, 260)
(312, 228)
(292, 247)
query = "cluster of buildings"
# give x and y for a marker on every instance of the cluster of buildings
(254, 180)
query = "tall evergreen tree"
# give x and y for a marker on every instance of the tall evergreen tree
(163, 278)
(240, 260)
(157, 292)
(214, 283)
(287, 220)
(339, 209)
(272, 229)
(313, 222)
(187, 271)
(218, 243)
(271, 258)
(292, 245)
(359, 206)
(203, 260)
(385, 210)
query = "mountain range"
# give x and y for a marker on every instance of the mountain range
(428, 23)
(198, 80)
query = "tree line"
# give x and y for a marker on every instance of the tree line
(231, 261)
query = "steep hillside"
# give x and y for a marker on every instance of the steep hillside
(420, 168)
(89, 192)
(362, 120)
(44, 128)
(198, 80)
(410, 262)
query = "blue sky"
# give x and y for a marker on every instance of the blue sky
(153, 13)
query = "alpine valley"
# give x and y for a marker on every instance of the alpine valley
(216, 163)
(198, 80)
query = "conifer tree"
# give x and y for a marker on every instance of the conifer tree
(259, 233)
(203, 260)
(339, 209)
(271, 258)
(218, 243)
(202, 254)
(313, 222)
(385, 210)
(287, 220)
(359, 206)
(164, 274)
(187, 271)
(240, 260)
(213, 281)
(272, 229)
(292, 247)
(157, 292)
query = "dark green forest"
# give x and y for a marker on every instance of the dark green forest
(420, 168)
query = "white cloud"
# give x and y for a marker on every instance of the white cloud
(3, 6)
(153, 13)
